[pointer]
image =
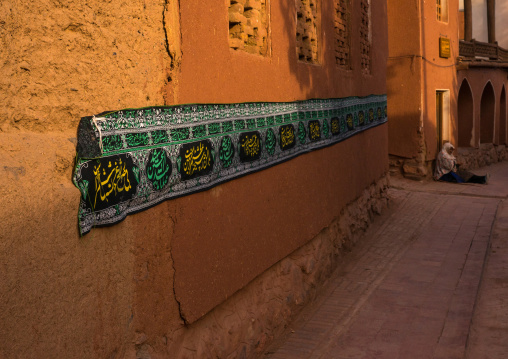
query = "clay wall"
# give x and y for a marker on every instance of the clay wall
(415, 73)
(439, 73)
(142, 281)
(404, 77)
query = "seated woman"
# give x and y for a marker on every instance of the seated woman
(446, 168)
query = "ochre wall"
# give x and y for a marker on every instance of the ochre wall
(438, 73)
(232, 76)
(66, 296)
(415, 72)
(404, 77)
(62, 296)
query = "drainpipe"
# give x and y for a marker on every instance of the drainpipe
(491, 20)
(468, 20)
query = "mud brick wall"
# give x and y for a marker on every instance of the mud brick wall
(307, 27)
(119, 291)
(365, 41)
(342, 25)
(248, 26)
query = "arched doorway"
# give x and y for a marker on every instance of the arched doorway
(465, 113)
(487, 111)
(502, 118)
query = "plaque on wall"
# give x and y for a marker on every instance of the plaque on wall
(444, 47)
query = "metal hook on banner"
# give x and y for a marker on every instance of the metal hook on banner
(95, 120)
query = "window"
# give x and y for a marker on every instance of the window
(342, 33)
(365, 36)
(307, 30)
(248, 26)
(442, 10)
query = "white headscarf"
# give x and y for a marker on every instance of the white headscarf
(445, 162)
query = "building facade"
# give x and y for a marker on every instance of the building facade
(216, 272)
(442, 86)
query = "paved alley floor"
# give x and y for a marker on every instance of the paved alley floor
(429, 279)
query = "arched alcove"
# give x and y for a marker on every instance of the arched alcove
(502, 118)
(487, 112)
(465, 113)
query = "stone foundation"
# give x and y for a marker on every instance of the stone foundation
(412, 168)
(416, 168)
(470, 158)
(244, 325)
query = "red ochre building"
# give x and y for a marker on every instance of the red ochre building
(446, 82)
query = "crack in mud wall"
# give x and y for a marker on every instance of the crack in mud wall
(172, 43)
(245, 324)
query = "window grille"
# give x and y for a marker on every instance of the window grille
(342, 25)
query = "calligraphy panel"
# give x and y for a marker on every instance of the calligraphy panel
(335, 126)
(314, 130)
(106, 182)
(196, 159)
(287, 137)
(250, 146)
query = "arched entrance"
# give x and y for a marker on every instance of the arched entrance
(487, 111)
(465, 120)
(502, 118)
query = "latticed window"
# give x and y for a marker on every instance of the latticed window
(365, 36)
(248, 26)
(307, 30)
(342, 26)
(442, 10)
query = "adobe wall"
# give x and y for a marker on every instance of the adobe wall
(439, 73)
(404, 77)
(415, 72)
(131, 288)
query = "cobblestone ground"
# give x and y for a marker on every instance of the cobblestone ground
(411, 288)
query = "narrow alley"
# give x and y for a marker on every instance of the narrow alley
(427, 281)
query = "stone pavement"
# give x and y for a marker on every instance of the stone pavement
(410, 289)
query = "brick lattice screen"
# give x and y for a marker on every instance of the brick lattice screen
(248, 26)
(342, 24)
(365, 41)
(307, 25)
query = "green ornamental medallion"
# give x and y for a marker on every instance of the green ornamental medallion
(301, 133)
(270, 142)
(226, 151)
(326, 129)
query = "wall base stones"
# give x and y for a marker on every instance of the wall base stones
(417, 167)
(470, 158)
(412, 168)
(245, 324)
